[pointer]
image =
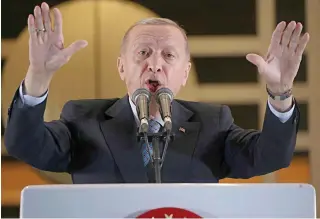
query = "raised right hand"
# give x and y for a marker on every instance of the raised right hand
(46, 49)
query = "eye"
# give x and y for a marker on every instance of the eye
(143, 53)
(170, 56)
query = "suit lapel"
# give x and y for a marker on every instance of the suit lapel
(119, 131)
(180, 151)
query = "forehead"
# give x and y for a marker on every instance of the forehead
(156, 34)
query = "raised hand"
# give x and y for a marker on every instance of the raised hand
(281, 64)
(46, 49)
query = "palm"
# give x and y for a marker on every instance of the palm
(46, 54)
(280, 66)
(46, 50)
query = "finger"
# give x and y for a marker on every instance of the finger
(38, 18)
(257, 61)
(39, 23)
(57, 21)
(46, 17)
(276, 36)
(295, 37)
(32, 29)
(73, 48)
(302, 44)
(287, 34)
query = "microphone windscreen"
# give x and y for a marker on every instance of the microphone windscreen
(138, 92)
(165, 91)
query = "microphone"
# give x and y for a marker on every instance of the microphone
(164, 97)
(141, 98)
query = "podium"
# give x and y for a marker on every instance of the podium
(169, 201)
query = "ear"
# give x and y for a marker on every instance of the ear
(186, 74)
(120, 67)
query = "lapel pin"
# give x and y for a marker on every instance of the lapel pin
(182, 130)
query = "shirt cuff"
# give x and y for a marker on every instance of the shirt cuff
(283, 117)
(30, 100)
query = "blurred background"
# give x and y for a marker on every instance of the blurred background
(220, 34)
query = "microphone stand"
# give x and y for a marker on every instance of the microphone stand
(157, 139)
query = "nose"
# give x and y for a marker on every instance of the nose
(154, 69)
(155, 64)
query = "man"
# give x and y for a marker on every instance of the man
(95, 140)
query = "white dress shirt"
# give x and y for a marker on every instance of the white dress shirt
(32, 101)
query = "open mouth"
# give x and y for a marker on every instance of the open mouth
(153, 85)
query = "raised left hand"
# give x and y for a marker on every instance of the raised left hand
(281, 64)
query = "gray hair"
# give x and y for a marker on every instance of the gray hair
(157, 21)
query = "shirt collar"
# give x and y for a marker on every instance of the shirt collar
(134, 110)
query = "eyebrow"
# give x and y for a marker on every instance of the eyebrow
(137, 44)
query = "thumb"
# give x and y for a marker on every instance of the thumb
(256, 60)
(74, 47)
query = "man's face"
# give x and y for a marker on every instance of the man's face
(154, 56)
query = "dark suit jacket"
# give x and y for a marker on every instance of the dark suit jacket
(95, 141)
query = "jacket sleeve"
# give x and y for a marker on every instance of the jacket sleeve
(250, 153)
(43, 145)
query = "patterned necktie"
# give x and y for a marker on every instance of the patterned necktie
(154, 127)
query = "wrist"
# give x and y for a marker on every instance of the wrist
(35, 85)
(278, 89)
(282, 105)
(280, 97)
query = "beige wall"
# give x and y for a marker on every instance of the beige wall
(313, 18)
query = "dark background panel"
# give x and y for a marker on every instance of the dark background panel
(234, 69)
(205, 17)
(245, 115)
(229, 69)
(10, 211)
(304, 116)
(3, 61)
(208, 17)
(288, 10)
(302, 75)
(301, 154)
(2, 125)
(14, 15)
